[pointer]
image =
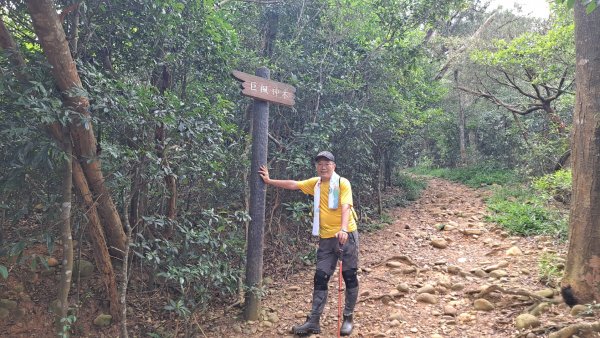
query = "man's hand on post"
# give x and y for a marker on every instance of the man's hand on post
(264, 174)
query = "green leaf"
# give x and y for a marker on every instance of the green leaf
(3, 272)
(570, 3)
(591, 7)
(49, 242)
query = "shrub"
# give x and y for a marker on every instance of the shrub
(410, 185)
(203, 260)
(556, 185)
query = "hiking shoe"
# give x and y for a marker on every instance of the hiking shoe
(309, 327)
(347, 326)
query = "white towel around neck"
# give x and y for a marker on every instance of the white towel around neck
(333, 200)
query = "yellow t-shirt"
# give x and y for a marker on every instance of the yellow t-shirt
(330, 220)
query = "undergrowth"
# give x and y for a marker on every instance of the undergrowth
(411, 188)
(551, 268)
(475, 176)
(521, 212)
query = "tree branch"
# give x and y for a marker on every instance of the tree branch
(500, 103)
(444, 69)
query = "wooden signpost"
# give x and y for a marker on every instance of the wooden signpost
(263, 90)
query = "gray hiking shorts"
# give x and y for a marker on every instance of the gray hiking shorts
(329, 252)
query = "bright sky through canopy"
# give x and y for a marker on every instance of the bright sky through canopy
(535, 8)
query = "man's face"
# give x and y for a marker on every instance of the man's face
(325, 168)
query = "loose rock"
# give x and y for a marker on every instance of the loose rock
(103, 320)
(439, 243)
(427, 298)
(483, 305)
(514, 251)
(527, 321)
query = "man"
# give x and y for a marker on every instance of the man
(335, 224)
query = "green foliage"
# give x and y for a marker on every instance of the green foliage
(203, 260)
(550, 268)
(178, 307)
(3, 271)
(590, 5)
(411, 186)
(474, 177)
(522, 212)
(376, 225)
(66, 325)
(557, 185)
(541, 54)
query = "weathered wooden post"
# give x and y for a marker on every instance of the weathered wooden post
(263, 91)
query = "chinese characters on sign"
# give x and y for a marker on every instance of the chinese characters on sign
(266, 90)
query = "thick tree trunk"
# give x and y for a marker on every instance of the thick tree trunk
(582, 271)
(99, 246)
(53, 41)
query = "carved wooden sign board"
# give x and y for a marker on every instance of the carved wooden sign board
(266, 90)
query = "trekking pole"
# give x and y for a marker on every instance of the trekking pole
(340, 295)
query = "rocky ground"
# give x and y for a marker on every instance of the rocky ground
(437, 271)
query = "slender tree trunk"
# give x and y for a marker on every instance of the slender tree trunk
(379, 181)
(67, 239)
(388, 169)
(162, 79)
(7, 43)
(472, 142)
(125, 281)
(53, 41)
(461, 125)
(582, 271)
(170, 181)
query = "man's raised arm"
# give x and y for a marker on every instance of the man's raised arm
(285, 184)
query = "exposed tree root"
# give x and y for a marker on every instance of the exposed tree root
(519, 292)
(574, 329)
(539, 331)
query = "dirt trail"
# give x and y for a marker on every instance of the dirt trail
(451, 277)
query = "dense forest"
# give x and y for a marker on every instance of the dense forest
(124, 136)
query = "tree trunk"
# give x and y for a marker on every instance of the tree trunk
(160, 134)
(388, 169)
(67, 239)
(125, 281)
(461, 125)
(582, 271)
(8, 44)
(101, 256)
(54, 44)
